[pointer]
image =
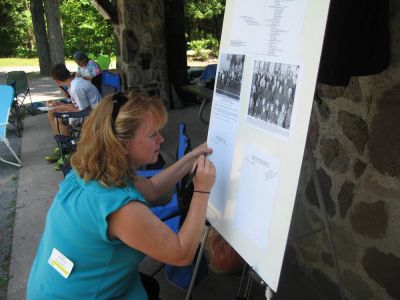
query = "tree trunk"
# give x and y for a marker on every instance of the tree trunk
(39, 28)
(54, 31)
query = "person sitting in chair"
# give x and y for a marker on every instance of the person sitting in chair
(87, 68)
(83, 94)
(100, 225)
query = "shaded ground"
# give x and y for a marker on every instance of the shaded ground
(8, 197)
(41, 90)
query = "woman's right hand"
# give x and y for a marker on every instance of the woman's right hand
(205, 174)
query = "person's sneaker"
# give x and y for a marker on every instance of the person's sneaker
(52, 158)
(59, 165)
(57, 151)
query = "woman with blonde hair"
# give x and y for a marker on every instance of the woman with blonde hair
(99, 226)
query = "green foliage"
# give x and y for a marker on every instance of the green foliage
(85, 29)
(204, 9)
(204, 47)
(200, 49)
(14, 28)
(203, 26)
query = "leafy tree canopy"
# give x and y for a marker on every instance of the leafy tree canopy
(85, 29)
(204, 9)
(14, 27)
(204, 20)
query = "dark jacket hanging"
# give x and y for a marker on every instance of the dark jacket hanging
(356, 40)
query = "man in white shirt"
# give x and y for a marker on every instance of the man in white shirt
(83, 94)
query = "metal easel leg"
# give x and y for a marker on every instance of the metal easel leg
(199, 255)
(242, 281)
(318, 190)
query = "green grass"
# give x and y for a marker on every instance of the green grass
(23, 62)
(18, 62)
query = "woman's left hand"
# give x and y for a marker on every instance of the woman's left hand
(199, 150)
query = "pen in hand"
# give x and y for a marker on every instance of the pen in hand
(190, 178)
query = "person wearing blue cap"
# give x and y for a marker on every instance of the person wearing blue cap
(87, 68)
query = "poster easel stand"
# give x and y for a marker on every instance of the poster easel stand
(198, 259)
(249, 275)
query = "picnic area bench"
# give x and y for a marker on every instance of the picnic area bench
(203, 93)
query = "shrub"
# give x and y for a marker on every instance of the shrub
(204, 48)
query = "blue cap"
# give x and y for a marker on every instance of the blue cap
(79, 55)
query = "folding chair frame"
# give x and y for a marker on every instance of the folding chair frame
(7, 92)
(21, 94)
(17, 114)
(7, 143)
(67, 144)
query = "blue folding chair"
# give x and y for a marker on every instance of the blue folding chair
(6, 100)
(173, 214)
(110, 83)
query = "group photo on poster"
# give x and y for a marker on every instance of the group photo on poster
(230, 73)
(272, 93)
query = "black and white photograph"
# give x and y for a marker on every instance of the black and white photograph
(272, 93)
(230, 73)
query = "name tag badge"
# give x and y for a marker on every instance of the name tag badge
(60, 263)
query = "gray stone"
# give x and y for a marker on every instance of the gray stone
(327, 259)
(359, 168)
(353, 91)
(329, 288)
(326, 184)
(141, 38)
(130, 46)
(330, 91)
(311, 194)
(300, 224)
(356, 285)
(384, 269)
(314, 217)
(309, 255)
(313, 130)
(291, 255)
(392, 194)
(341, 163)
(370, 219)
(345, 197)
(384, 144)
(329, 150)
(346, 249)
(324, 111)
(333, 155)
(355, 128)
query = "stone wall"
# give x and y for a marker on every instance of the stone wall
(141, 54)
(355, 137)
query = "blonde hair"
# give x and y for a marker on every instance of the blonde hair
(101, 151)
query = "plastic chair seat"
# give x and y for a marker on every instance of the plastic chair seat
(6, 101)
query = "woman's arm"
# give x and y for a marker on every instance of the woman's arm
(164, 182)
(136, 225)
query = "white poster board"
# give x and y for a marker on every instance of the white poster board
(266, 75)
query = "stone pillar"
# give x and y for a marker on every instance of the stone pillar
(142, 48)
(356, 141)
